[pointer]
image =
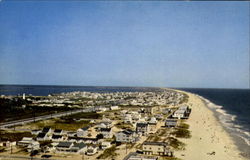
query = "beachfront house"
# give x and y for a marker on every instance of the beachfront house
(126, 136)
(156, 148)
(179, 114)
(142, 128)
(170, 123)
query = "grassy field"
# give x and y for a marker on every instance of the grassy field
(60, 124)
(110, 152)
(13, 136)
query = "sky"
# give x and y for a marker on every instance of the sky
(131, 43)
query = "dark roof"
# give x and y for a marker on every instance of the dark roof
(171, 120)
(56, 136)
(41, 135)
(79, 145)
(127, 132)
(85, 128)
(141, 125)
(57, 130)
(82, 138)
(105, 129)
(46, 129)
(64, 144)
(155, 143)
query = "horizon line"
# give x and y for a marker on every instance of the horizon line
(118, 86)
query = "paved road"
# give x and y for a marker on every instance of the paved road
(38, 118)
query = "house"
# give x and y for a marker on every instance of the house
(71, 134)
(43, 136)
(128, 118)
(106, 132)
(127, 136)
(7, 143)
(91, 150)
(82, 132)
(57, 138)
(105, 145)
(136, 156)
(156, 148)
(179, 114)
(114, 107)
(47, 130)
(58, 132)
(33, 146)
(142, 128)
(170, 123)
(78, 148)
(104, 124)
(64, 146)
(35, 131)
(25, 141)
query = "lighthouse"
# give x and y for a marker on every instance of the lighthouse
(23, 96)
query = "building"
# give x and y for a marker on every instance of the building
(156, 148)
(105, 145)
(170, 123)
(58, 132)
(126, 136)
(64, 146)
(142, 128)
(91, 150)
(33, 146)
(106, 132)
(82, 132)
(25, 141)
(136, 156)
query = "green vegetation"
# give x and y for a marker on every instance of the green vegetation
(169, 158)
(123, 125)
(109, 152)
(175, 143)
(182, 131)
(185, 99)
(69, 125)
(86, 115)
(13, 136)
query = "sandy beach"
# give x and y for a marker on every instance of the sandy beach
(209, 140)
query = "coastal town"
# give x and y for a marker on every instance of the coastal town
(116, 125)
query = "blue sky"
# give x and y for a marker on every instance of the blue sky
(142, 43)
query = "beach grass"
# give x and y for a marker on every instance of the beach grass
(109, 152)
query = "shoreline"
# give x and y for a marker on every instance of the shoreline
(210, 139)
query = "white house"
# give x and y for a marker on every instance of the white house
(114, 107)
(179, 114)
(106, 132)
(127, 136)
(82, 132)
(33, 146)
(91, 150)
(105, 145)
(25, 141)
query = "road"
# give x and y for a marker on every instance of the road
(39, 118)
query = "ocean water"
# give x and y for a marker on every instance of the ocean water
(232, 108)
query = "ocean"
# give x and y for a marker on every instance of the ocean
(230, 106)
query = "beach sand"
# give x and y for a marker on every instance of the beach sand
(209, 140)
